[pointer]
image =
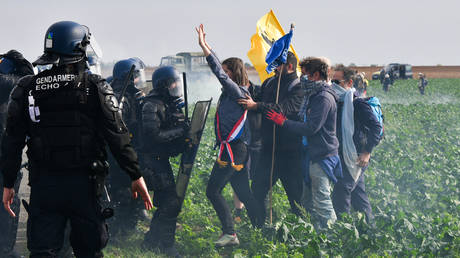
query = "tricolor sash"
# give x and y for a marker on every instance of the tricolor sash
(234, 134)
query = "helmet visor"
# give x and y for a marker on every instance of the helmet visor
(140, 81)
(175, 88)
(93, 49)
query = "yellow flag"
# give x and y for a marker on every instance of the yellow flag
(268, 31)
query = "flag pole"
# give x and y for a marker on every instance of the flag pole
(273, 148)
(274, 142)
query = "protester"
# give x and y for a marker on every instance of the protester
(232, 135)
(423, 82)
(386, 83)
(358, 131)
(319, 126)
(287, 158)
(360, 83)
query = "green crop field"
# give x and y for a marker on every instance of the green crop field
(412, 181)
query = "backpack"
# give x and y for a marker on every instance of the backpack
(376, 107)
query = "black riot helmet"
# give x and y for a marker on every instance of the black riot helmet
(122, 68)
(14, 63)
(67, 42)
(167, 81)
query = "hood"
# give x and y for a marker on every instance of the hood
(329, 89)
(316, 87)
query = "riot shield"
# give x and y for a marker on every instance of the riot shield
(200, 113)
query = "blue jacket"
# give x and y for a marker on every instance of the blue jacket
(320, 126)
(228, 109)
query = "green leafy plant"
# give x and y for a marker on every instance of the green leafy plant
(412, 182)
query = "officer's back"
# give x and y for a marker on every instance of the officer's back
(66, 116)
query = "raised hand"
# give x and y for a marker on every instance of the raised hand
(201, 35)
(202, 40)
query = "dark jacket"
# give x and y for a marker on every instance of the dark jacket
(320, 126)
(367, 128)
(163, 127)
(289, 102)
(77, 118)
(7, 83)
(228, 109)
(255, 119)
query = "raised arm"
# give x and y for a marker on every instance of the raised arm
(230, 87)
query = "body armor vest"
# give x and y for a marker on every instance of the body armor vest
(62, 121)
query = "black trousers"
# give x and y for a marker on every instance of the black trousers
(8, 224)
(160, 178)
(54, 201)
(287, 169)
(239, 180)
(254, 155)
(127, 211)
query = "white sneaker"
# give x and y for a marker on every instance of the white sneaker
(227, 240)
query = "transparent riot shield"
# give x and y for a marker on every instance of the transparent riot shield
(199, 116)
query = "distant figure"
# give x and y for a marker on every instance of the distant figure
(423, 82)
(360, 84)
(386, 83)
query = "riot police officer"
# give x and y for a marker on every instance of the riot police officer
(66, 116)
(13, 66)
(127, 211)
(164, 130)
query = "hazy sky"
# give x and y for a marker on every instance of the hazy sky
(360, 31)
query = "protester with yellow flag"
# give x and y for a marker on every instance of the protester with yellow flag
(284, 94)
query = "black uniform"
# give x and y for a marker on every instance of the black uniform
(127, 210)
(18, 67)
(8, 225)
(65, 116)
(163, 133)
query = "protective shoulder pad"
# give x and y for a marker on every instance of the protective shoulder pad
(109, 102)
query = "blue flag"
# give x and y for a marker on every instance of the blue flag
(277, 54)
